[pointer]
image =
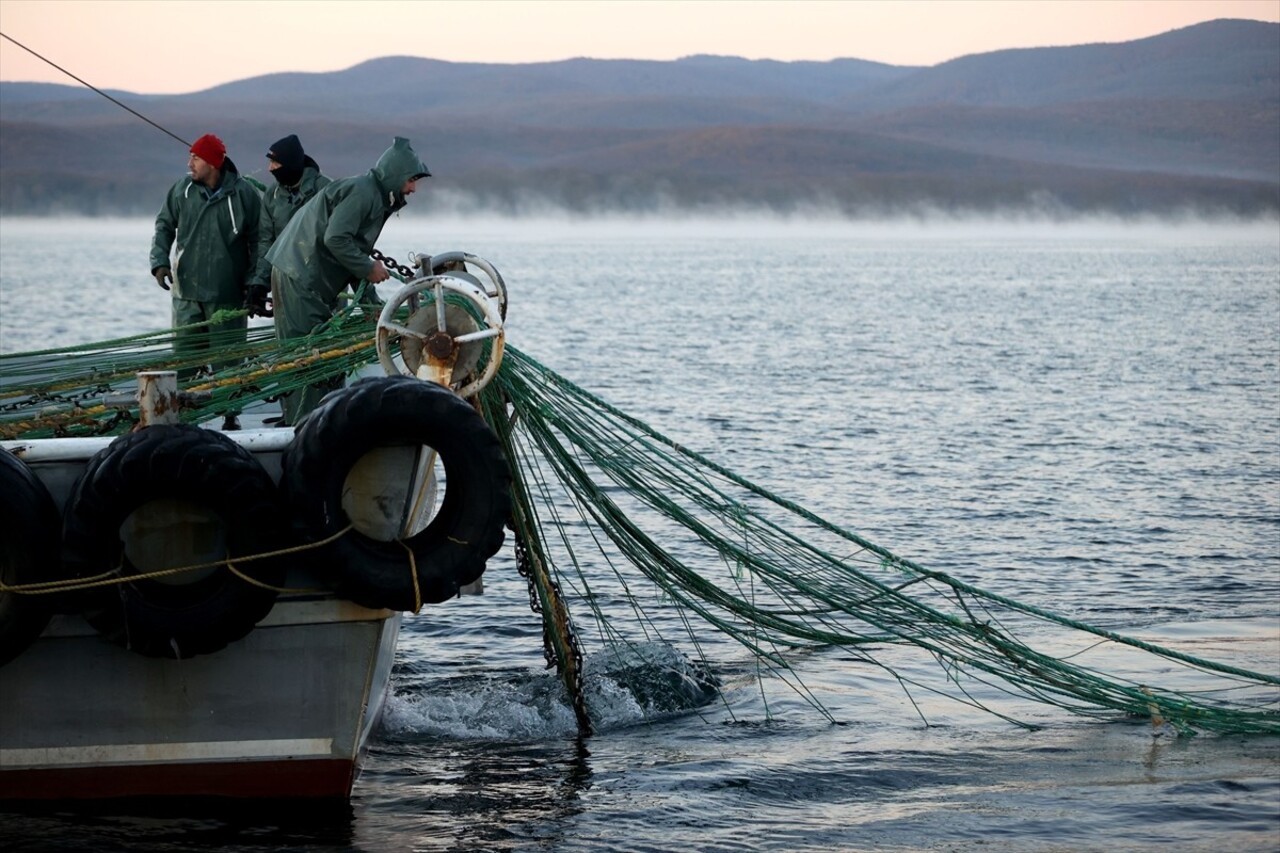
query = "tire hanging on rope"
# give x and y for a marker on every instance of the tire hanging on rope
(229, 502)
(465, 532)
(28, 554)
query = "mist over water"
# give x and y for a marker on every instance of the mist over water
(93, 281)
(1083, 415)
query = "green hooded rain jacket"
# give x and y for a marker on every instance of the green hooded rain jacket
(326, 245)
(279, 204)
(217, 238)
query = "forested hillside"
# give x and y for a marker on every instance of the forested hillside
(1187, 120)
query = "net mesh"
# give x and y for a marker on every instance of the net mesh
(638, 538)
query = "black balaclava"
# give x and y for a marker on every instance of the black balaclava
(289, 154)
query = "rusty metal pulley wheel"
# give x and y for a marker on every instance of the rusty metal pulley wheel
(443, 340)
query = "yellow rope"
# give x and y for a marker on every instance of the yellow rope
(83, 416)
(53, 586)
(114, 577)
(305, 361)
(282, 589)
(413, 573)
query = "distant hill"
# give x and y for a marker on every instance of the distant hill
(1184, 120)
(1218, 60)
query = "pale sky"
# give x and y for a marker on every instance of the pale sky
(178, 46)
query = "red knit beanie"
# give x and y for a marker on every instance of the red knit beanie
(210, 149)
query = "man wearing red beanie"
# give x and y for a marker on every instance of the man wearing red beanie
(210, 149)
(210, 222)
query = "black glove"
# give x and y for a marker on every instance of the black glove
(255, 300)
(163, 275)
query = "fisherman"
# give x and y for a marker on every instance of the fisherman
(213, 213)
(298, 178)
(327, 246)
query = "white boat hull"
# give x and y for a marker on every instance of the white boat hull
(284, 712)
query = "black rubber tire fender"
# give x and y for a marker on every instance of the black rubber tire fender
(203, 467)
(28, 554)
(452, 549)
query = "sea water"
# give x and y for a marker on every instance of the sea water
(1082, 417)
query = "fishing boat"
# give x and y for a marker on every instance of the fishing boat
(392, 496)
(191, 612)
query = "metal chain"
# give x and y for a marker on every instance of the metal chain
(40, 398)
(524, 565)
(405, 272)
(535, 604)
(61, 421)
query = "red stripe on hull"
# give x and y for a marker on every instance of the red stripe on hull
(328, 778)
